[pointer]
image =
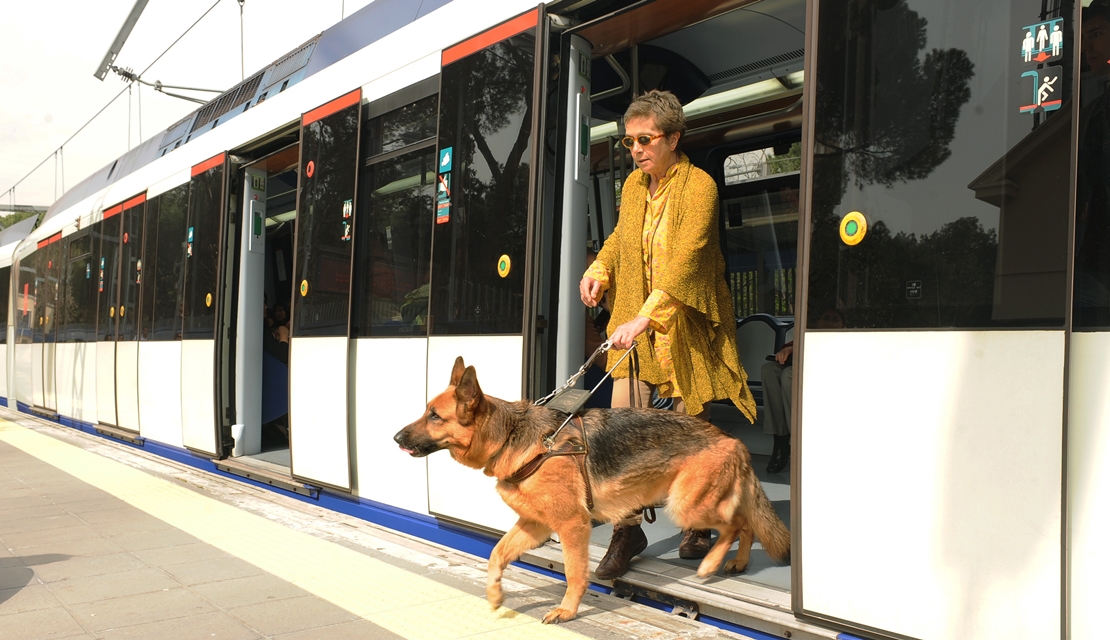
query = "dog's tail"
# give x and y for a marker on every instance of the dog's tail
(765, 522)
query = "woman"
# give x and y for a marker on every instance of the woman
(664, 272)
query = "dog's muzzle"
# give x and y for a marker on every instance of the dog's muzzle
(415, 445)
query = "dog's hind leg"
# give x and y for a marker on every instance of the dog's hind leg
(716, 555)
(575, 538)
(525, 535)
(743, 554)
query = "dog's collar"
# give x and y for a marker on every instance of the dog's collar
(574, 445)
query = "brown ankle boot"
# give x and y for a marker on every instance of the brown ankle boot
(626, 543)
(695, 544)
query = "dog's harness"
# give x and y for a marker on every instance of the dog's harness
(569, 401)
(572, 445)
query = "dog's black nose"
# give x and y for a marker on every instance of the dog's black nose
(397, 437)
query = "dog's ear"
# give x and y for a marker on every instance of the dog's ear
(457, 371)
(468, 395)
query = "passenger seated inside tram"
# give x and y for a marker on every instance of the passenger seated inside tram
(778, 384)
(275, 374)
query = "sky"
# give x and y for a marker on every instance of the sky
(49, 50)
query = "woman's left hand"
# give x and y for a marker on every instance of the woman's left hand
(623, 335)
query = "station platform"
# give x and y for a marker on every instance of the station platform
(102, 540)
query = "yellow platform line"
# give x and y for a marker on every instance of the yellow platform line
(407, 604)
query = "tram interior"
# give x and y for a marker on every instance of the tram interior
(739, 75)
(277, 294)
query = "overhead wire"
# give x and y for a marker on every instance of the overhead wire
(11, 190)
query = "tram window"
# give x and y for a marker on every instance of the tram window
(5, 294)
(25, 299)
(937, 137)
(759, 222)
(131, 258)
(169, 263)
(107, 236)
(48, 291)
(1091, 296)
(321, 306)
(202, 256)
(399, 128)
(147, 273)
(396, 207)
(485, 116)
(80, 292)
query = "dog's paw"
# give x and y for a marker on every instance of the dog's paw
(734, 566)
(494, 596)
(557, 615)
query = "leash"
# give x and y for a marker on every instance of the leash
(570, 401)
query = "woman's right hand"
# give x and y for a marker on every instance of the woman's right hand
(590, 290)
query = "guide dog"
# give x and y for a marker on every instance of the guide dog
(637, 458)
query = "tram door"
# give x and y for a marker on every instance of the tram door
(204, 236)
(319, 347)
(49, 267)
(127, 312)
(106, 242)
(482, 301)
(931, 353)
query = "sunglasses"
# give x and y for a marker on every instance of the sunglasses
(643, 139)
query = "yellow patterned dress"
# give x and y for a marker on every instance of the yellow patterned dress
(663, 262)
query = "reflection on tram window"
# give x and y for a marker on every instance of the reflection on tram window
(394, 246)
(50, 263)
(165, 270)
(25, 300)
(131, 253)
(324, 225)
(79, 317)
(5, 295)
(1092, 201)
(202, 263)
(486, 119)
(106, 235)
(953, 141)
(402, 127)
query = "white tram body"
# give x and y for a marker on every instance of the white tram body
(421, 181)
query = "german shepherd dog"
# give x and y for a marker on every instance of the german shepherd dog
(637, 457)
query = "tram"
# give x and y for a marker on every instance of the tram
(423, 181)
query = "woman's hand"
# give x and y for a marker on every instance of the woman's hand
(623, 335)
(784, 354)
(590, 290)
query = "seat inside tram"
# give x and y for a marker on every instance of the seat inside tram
(739, 76)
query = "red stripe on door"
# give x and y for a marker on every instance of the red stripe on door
(113, 211)
(326, 110)
(493, 36)
(214, 161)
(51, 240)
(136, 201)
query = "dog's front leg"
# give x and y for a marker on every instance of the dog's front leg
(525, 535)
(575, 537)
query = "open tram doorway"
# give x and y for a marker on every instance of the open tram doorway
(265, 295)
(738, 72)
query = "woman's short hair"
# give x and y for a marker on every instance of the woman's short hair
(661, 106)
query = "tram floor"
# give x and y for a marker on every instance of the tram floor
(101, 540)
